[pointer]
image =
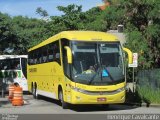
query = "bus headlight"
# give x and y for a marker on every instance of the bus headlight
(78, 90)
(121, 89)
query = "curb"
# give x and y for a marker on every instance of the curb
(143, 104)
(154, 105)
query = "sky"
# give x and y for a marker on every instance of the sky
(28, 7)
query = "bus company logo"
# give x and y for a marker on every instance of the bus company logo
(33, 70)
(101, 93)
(101, 88)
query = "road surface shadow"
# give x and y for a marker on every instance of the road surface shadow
(3, 103)
(111, 107)
(57, 102)
(92, 108)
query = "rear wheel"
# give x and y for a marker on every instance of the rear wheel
(34, 92)
(64, 104)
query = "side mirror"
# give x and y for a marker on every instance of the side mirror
(130, 56)
(69, 54)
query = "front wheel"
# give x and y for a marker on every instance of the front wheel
(105, 106)
(34, 92)
(64, 104)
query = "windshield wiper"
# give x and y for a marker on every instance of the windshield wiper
(109, 74)
(100, 70)
(94, 76)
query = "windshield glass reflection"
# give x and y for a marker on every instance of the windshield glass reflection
(97, 63)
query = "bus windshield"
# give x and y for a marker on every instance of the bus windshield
(97, 63)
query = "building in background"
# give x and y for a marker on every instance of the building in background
(105, 4)
(119, 33)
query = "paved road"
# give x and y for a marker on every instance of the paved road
(50, 106)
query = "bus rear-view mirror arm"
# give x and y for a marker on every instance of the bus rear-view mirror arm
(130, 56)
(69, 54)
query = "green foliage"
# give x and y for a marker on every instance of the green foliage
(140, 18)
(41, 12)
(137, 43)
(19, 33)
(148, 94)
(93, 20)
(7, 34)
(29, 33)
(113, 17)
(142, 29)
(72, 17)
(53, 25)
(148, 85)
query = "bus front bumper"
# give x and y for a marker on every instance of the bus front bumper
(81, 98)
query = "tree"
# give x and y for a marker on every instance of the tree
(41, 12)
(7, 35)
(17, 34)
(29, 32)
(72, 17)
(94, 20)
(142, 15)
(142, 26)
(140, 18)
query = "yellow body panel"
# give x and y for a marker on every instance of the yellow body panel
(80, 98)
(79, 36)
(49, 76)
(75, 97)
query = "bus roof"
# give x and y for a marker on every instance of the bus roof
(79, 36)
(12, 56)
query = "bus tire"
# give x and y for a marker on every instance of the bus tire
(105, 106)
(35, 95)
(64, 104)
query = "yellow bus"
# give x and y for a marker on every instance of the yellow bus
(78, 67)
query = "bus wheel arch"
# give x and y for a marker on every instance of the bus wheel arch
(61, 97)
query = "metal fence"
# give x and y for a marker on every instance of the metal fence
(149, 78)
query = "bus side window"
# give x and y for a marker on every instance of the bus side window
(50, 53)
(44, 52)
(39, 56)
(57, 56)
(31, 58)
(17, 66)
(1, 64)
(35, 57)
(56, 52)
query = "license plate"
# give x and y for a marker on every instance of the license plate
(103, 99)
